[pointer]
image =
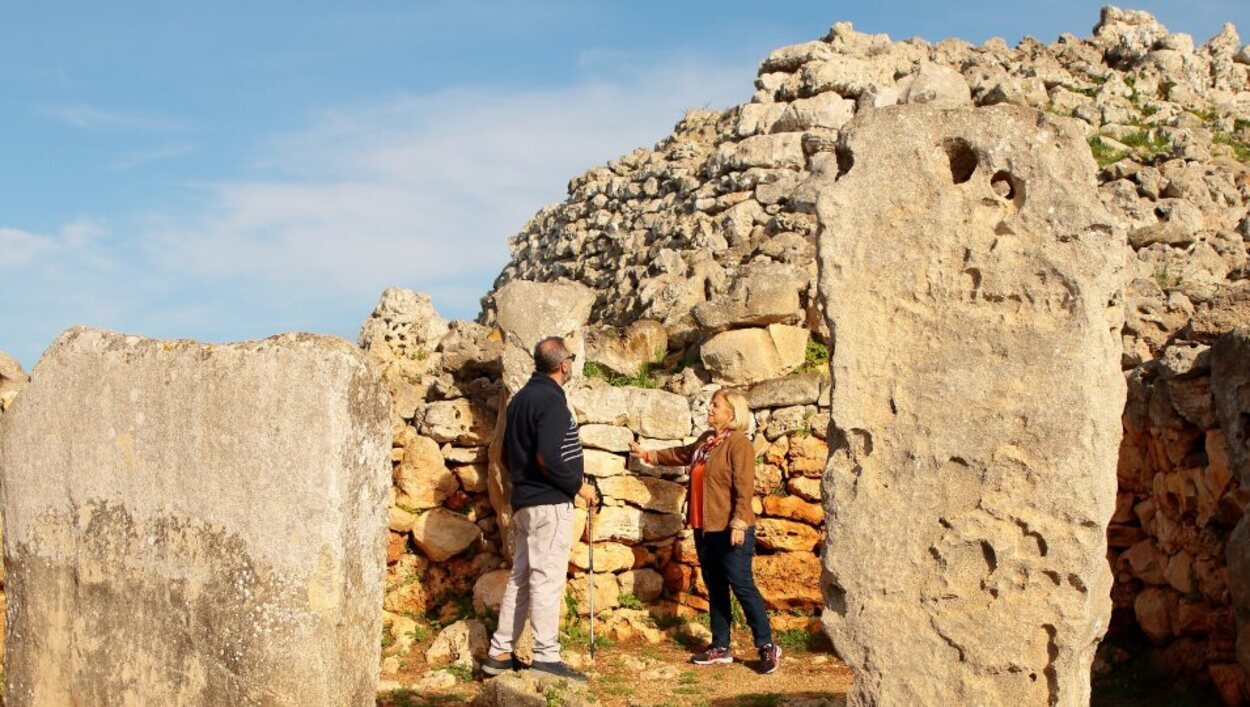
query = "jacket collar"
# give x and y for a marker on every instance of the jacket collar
(543, 379)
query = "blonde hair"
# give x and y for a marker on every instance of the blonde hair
(738, 404)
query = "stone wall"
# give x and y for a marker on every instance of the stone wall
(447, 522)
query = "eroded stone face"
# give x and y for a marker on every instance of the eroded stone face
(191, 524)
(975, 406)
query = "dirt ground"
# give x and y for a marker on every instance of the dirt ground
(639, 674)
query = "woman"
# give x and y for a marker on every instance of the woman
(722, 482)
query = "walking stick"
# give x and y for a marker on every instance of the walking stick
(590, 529)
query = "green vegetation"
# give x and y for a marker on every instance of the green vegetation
(645, 378)
(1148, 143)
(1166, 279)
(420, 633)
(462, 673)
(1241, 148)
(797, 640)
(387, 639)
(816, 357)
(575, 629)
(1104, 154)
(629, 601)
(760, 699)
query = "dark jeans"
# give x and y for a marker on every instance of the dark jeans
(725, 567)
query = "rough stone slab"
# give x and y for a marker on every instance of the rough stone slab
(190, 524)
(977, 398)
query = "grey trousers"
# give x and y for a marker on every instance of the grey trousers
(543, 538)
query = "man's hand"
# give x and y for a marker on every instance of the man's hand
(587, 494)
(637, 451)
(737, 536)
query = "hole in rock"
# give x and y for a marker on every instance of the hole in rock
(1003, 185)
(963, 160)
(846, 160)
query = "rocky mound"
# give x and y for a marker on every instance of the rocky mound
(711, 228)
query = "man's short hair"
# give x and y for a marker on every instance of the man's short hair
(549, 354)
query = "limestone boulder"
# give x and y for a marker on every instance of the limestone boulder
(470, 350)
(779, 151)
(765, 293)
(607, 593)
(653, 413)
(609, 556)
(645, 492)
(645, 584)
(531, 687)
(463, 643)
(1001, 251)
(532, 311)
(602, 465)
(611, 438)
(627, 350)
(743, 356)
(422, 477)
(806, 488)
(460, 421)
(794, 508)
(825, 110)
(403, 325)
(442, 534)
(159, 520)
(789, 580)
(797, 389)
(633, 525)
(785, 535)
(488, 590)
(12, 380)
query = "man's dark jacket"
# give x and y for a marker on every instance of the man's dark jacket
(540, 426)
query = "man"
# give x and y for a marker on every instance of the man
(544, 458)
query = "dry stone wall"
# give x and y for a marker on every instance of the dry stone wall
(144, 483)
(713, 230)
(449, 513)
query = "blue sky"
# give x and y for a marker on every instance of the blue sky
(230, 170)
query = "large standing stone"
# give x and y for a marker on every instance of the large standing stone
(977, 399)
(190, 524)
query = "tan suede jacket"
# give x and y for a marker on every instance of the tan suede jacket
(728, 479)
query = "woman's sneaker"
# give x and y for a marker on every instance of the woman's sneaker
(712, 656)
(770, 658)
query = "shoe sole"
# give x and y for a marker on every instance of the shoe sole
(716, 661)
(495, 672)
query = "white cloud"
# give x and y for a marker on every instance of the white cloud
(418, 191)
(423, 191)
(144, 157)
(84, 115)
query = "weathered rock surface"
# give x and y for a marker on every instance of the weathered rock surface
(144, 484)
(997, 266)
(442, 534)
